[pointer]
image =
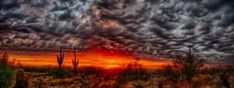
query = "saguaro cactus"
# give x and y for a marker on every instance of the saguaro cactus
(20, 80)
(60, 58)
(75, 62)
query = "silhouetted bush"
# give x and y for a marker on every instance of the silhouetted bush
(133, 71)
(160, 84)
(38, 69)
(189, 65)
(90, 70)
(60, 73)
(21, 82)
(170, 73)
(225, 80)
(5, 60)
(6, 74)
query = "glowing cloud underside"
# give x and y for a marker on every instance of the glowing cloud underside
(158, 28)
(98, 58)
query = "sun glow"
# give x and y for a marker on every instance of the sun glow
(95, 57)
(111, 64)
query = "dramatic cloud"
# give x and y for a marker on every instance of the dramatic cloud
(43, 24)
(152, 27)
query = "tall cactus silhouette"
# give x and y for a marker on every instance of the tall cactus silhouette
(60, 57)
(75, 62)
(189, 64)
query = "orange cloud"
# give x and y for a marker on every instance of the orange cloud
(94, 57)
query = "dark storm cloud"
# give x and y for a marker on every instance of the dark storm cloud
(153, 27)
(54, 23)
(163, 27)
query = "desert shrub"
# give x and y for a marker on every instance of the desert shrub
(6, 72)
(38, 69)
(5, 76)
(170, 73)
(138, 85)
(60, 73)
(5, 60)
(133, 71)
(189, 65)
(225, 80)
(211, 71)
(90, 70)
(184, 68)
(228, 69)
(21, 82)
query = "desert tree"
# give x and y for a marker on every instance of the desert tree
(189, 64)
(6, 72)
(170, 73)
(75, 62)
(60, 58)
(4, 59)
(133, 71)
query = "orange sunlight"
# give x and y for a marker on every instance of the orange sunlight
(112, 64)
(95, 57)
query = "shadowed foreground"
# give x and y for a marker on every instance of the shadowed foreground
(187, 71)
(91, 77)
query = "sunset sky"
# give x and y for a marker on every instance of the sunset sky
(94, 57)
(150, 29)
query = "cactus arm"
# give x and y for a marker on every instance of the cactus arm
(60, 57)
(75, 62)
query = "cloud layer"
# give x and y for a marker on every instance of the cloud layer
(152, 27)
(43, 24)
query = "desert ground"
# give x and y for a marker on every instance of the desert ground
(185, 72)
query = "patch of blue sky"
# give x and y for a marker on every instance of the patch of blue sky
(59, 12)
(86, 6)
(76, 13)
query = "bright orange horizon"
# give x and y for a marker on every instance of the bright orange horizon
(95, 57)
